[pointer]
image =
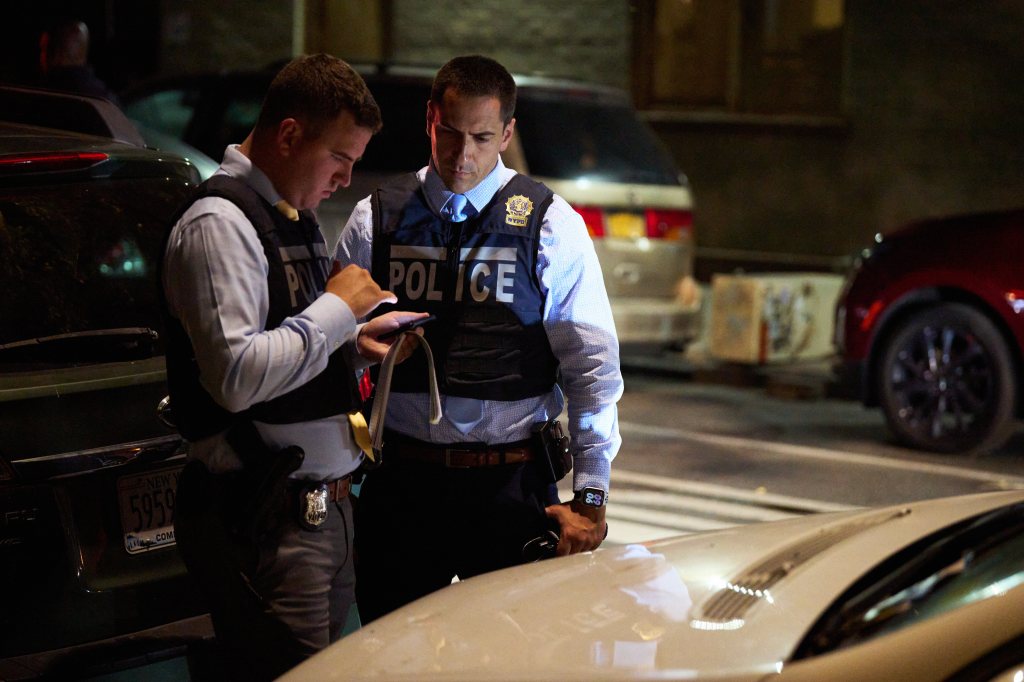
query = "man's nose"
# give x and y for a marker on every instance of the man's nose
(343, 177)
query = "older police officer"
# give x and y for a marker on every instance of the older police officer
(523, 323)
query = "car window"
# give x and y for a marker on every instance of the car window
(169, 111)
(80, 258)
(568, 137)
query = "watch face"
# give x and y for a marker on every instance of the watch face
(592, 497)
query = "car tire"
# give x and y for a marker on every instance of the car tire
(947, 383)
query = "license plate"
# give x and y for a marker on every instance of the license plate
(147, 509)
(626, 225)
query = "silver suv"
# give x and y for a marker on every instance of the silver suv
(582, 140)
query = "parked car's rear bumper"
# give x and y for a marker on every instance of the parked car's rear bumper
(133, 650)
(658, 321)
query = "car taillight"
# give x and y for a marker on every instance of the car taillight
(593, 218)
(652, 223)
(50, 161)
(668, 224)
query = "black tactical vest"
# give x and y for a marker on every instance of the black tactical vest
(480, 278)
(299, 266)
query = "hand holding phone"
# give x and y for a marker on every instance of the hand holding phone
(406, 327)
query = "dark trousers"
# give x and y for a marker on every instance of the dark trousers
(419, 525)
(274, 601)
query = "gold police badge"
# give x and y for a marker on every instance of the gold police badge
(517, 210)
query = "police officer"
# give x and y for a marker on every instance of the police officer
(261, 358)
(523, 324)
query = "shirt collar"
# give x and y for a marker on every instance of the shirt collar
(238, 165)
(438, 195)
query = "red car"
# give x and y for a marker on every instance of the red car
(930, 327)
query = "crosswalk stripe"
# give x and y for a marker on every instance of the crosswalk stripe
(644, 507)
(764, 499)
(667, 520)
(730, 510)
(627, 532)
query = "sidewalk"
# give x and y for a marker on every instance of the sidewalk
(799, 380)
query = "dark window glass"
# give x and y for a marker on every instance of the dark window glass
(169, 112)
(568, 137)
(80, 258)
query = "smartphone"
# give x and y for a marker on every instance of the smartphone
(407, 326)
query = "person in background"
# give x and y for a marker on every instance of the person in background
(262, 353)
(524, 324)
(64, 61)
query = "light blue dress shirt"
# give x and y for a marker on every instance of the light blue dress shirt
(215, 279)
(579, 326)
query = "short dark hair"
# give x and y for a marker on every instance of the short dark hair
(316, 89)
(476, 76)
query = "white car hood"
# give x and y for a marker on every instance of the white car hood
(730, 604)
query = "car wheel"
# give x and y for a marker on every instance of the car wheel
(946, 381)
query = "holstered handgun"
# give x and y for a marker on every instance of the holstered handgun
(553, 444)
(263, 483)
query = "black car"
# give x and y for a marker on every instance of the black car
(87, 467)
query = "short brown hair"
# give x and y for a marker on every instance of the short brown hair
(476, 76)
(316, 89)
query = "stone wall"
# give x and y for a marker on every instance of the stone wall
(586, 39)
(199, 35)
(934, 126)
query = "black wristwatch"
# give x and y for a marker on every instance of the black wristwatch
(591, 497)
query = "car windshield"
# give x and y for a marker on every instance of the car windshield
(572, 137)
(966, 563)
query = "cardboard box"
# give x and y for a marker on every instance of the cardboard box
(773, 317)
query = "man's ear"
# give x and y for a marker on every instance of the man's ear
(506, 135)
(431, 112)
(289, 134)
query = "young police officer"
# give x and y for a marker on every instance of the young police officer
(523, 323)
(261, 350)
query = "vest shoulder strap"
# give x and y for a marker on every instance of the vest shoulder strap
(256, 208)
(388, 196)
